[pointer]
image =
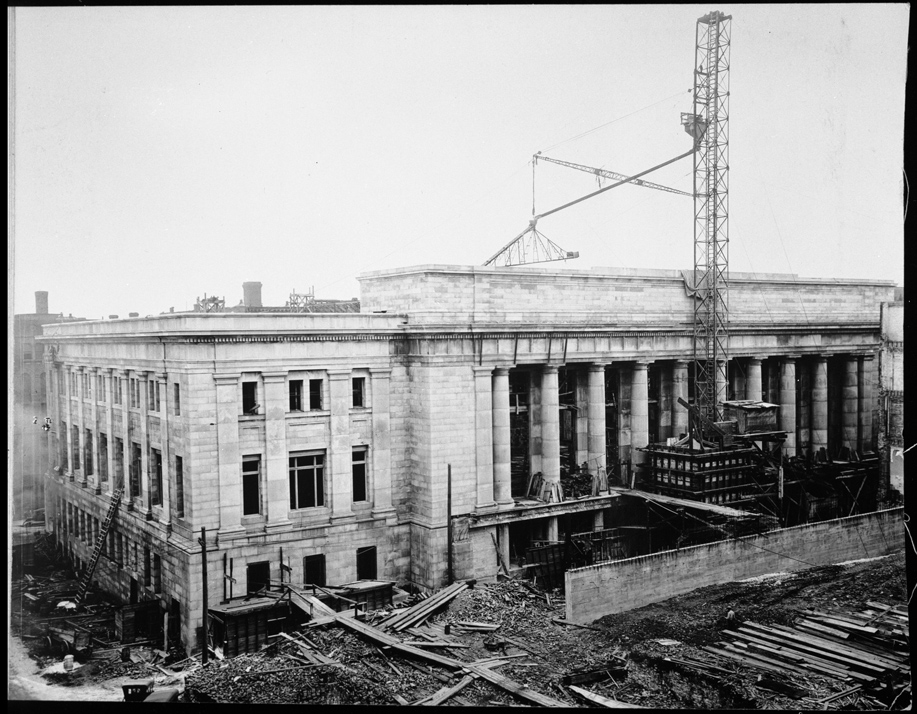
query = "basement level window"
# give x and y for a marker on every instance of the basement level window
(250, 397)
(314, 569)
(366, 563)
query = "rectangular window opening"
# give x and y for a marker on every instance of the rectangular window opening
(359, 385)
(314, 569)
(366, 563)
(258, 577)
(156, 474)
(295, 395)
(179, 487)
(250, 397)
(251, 485)
(176, 398)
(315, 394)
(358, 468)
(307, 481)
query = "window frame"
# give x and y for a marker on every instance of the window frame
(295, 390)
(362, 451)
(176, 398)
(250, 404)
(251, 479)
(179, 486)
(358, 392)
(319, 489)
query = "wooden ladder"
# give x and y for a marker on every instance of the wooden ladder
(100, 545)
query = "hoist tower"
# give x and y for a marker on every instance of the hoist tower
(709, 125)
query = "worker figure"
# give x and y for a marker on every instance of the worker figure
(731, 622)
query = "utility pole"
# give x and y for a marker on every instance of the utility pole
(449, 523)
(203, 541)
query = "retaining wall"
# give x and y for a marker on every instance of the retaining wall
(609, 588)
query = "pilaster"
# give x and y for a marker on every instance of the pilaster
(229, 461)
(381, 447)
(277, 488)
(341, 456)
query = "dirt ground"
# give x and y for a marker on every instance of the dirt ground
(551, 650)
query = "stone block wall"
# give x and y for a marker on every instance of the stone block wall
(609, 588)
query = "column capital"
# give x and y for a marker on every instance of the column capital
(682, 363)
(642, 364)
(598, 366)
(123, 373)
(867, 357)
(161, 376)
(757, 358)
(549, 369)
(790, 358)
(500, 371)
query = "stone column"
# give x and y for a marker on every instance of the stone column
(804, 400)
(753, 379)
(581, 415)
(639, 411)
(550, 425)
(502, 483)
(485, 481)
(679, 389)
(145, 490)
(503, 543)
(535, 428)
(67, 439)
(738, 380)
(625, 377)
(552, 531)
(229, 462)
(788, 404)
(109, 376)
(850, 404)
(81, 421)
(595, 411)
(864, 381)
(819, 403)
(165, 497)
(93, 376)
(664, 425)
(129, 495)
(341, 456)
(382, 443)
(276, 461)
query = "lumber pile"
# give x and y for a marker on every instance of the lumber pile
(865, 651)
(418, 614)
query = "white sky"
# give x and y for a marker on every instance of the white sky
(164, 153)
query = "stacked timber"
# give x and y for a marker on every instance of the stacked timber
(865, 650)
(418, 614)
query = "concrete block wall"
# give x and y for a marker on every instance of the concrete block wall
(609, 588)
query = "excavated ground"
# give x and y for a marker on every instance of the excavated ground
(525, 615)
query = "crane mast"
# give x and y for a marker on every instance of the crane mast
(709, 125)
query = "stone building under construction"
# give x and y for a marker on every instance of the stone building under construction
(318, 448)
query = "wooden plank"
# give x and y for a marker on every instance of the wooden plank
(520, 690)
(848, 649)
(753, 660)
(853, 649)
(446, 692)
(603, 701)
(895, 610)
(811, 625)
(818, 656)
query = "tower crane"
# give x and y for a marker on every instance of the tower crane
(709, 126)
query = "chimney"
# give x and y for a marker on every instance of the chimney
(112, 317)
(133, 314)
(252, 294)
(41, 302)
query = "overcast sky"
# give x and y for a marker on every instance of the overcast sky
(165, 153)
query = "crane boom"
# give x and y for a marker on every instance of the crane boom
(605, 173)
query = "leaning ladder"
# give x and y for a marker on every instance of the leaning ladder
(100, 544)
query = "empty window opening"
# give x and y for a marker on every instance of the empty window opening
(314, 569)
(258, 576)
(251, 485)
(366, 563)
(157, 573)
(176, 398)
(359, 385)
(359, 474)
(315, 394)
(156, 474)
(179, 487)
(307, 476)
(250, 397)
(135, 466)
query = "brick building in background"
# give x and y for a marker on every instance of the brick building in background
(29, 444)
(329, 436)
